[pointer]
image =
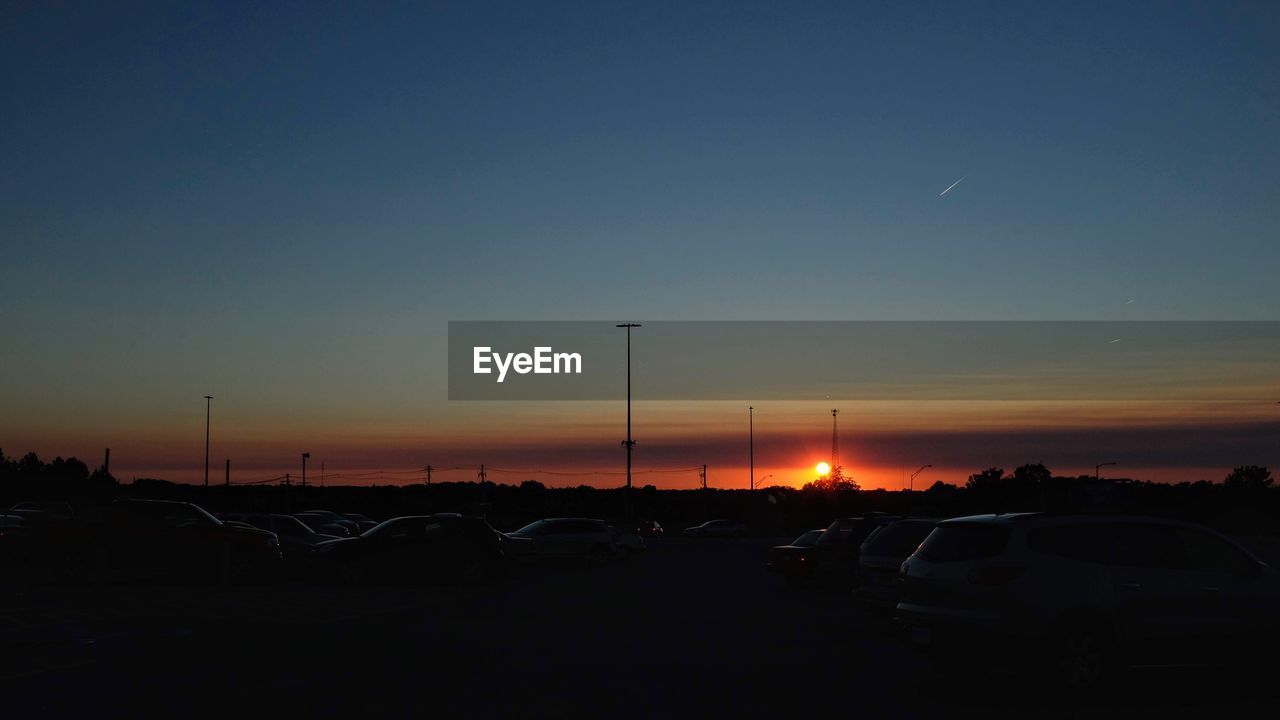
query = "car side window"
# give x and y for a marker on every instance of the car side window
(1149, 545)
(1209, 553)
(1092, 542)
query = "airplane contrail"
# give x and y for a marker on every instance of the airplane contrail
(944, 192)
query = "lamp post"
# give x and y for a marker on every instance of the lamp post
(751, 445)
(628, 442)
(912, 483)
(1097, 470)
(305, 456)
(208, 402)
(766, 477)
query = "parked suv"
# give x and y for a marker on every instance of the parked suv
(1087, 593)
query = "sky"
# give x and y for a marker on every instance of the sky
(283, 205)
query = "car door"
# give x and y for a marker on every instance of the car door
(1158, 603)
(1236, 595)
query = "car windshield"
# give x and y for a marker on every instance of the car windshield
(532, 528)
(898, 539)
(808, 539)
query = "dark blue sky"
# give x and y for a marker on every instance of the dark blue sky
(278, 197)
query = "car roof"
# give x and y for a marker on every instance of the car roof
(1043, 518)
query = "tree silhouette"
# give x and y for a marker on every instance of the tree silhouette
(986, 479)
(833, 481)
(1248, 477)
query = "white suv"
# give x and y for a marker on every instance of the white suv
(1086, 592)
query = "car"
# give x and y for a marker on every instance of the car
(159, 535)
(627, 544)
(649, 529)
(717, 529)
(41, 510)
(558, 538)
(362, 521)
(791, 560)
(297, 540)
(328, 522)
(416, 548)
(882, 554)
(835, 554)
(1081, 596)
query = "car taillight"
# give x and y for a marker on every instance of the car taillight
(995, 575)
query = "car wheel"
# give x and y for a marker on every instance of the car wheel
(1079, 656)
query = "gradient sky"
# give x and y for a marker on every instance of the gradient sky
(283, 205)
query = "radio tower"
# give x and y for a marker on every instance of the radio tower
(835, 441)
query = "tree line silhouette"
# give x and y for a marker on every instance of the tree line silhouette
(1245, 500)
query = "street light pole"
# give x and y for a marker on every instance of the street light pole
(305, 456)
(1097, 470)
(912, 486)
(208, 402)
(751, 445)
(629, 442)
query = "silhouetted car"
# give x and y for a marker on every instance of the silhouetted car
(553, 538)
(791, 560)
(717, 529)
(649, 529)
(159, 535)
(835, 554)
(13, 535)
(417, 548)
(297, 541)
(328, 522)
(627, 544)
(1084, 594)
(362, 521)
(881, 556)
(41, 510)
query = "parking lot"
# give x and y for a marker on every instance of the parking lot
(691, 628)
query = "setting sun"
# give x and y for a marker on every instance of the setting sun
(822, 468)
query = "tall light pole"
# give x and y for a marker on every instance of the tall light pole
(305, 457)
(208, 402)
(1097, 470)
(912, 485)
(751, 445)
(628, 442)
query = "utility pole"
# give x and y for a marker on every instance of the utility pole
(106, 462)
(305, 456)
(703, 475)
(208, 401)
(227, 484)
(429, 468)
(629, 443)
(751, 446)
(321, 473)
(482, 474)
(835, 441)
(1097, 470)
